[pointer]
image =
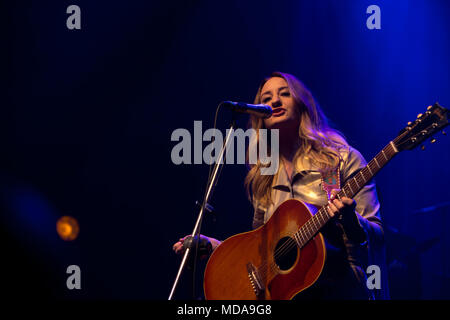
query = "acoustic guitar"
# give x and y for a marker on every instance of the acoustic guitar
(287, 254)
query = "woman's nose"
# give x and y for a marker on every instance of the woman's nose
(276, 102)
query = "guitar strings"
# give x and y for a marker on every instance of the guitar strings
(290, 244)
(304, 234)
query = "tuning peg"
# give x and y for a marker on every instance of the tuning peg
(419, 115)
(444, 133)
(409, 123)
(422, 147)
(433, 141)
(429, 107)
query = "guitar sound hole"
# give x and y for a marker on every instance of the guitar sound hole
(285, 253)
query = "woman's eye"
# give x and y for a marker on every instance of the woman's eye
(265, 100)
(286, 94)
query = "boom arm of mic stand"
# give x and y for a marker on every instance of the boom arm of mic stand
(212, 183)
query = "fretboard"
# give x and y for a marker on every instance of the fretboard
(349, 190)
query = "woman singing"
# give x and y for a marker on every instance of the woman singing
(310, 152)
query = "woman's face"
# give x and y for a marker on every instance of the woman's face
(276, 94)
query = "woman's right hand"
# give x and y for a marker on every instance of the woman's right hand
(179, 247)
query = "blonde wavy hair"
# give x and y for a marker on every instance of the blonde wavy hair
(318, 143)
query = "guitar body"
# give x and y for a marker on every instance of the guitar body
(246, 267)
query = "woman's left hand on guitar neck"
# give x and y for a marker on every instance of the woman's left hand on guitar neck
(344, 209)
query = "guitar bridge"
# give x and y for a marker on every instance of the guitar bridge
(255, 280)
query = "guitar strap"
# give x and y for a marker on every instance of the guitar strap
(331, 180)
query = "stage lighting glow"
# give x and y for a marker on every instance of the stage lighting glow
(67, 228)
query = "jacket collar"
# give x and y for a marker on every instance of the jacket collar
(282, 179)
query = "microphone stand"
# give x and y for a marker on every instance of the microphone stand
(212, 182)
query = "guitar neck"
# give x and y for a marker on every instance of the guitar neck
(349, 190)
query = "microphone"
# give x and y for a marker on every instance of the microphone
(259, 110)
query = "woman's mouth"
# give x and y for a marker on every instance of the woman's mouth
(278, 112)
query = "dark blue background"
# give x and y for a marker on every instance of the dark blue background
(87, 116)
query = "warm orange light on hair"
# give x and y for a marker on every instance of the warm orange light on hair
(67, 228)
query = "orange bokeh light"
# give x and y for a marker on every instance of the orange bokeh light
(67, 228)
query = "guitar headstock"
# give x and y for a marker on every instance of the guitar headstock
(424, 127)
